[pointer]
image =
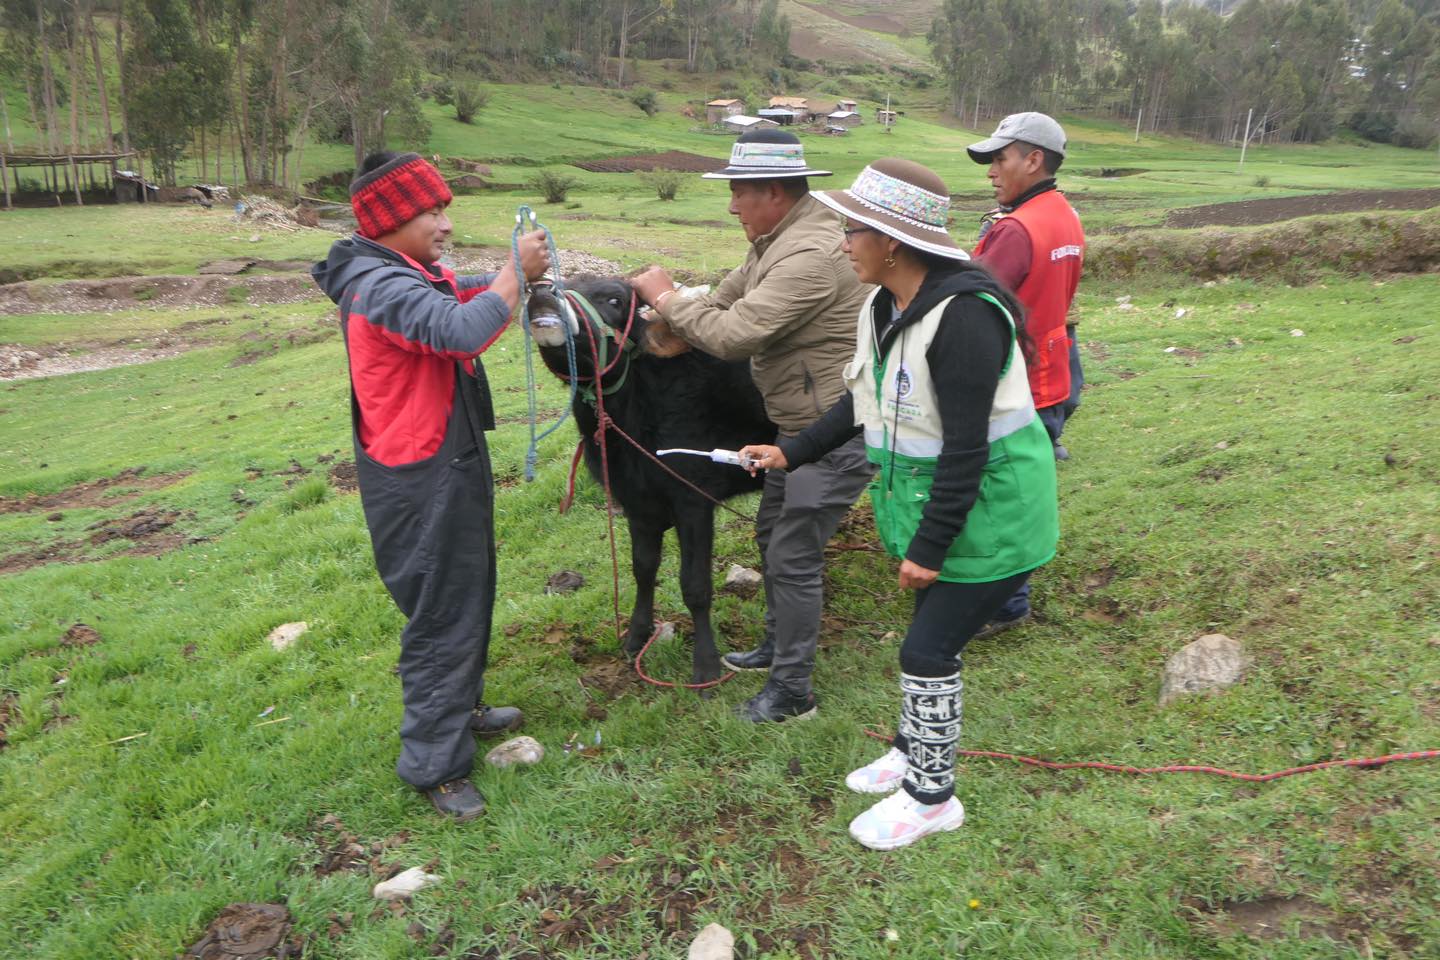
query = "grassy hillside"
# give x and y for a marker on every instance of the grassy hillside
(1229, 475)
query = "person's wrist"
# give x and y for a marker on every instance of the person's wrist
(665, 295)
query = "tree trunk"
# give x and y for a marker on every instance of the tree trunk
(242, 121)
(100, 78)
(120, 59)
(77, 84)
(624, 42)
(47, 82)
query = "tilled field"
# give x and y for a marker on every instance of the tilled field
(1249, 212)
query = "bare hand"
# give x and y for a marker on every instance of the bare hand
(763, 456)
(915, 577)
(534, 255)
(651, 283)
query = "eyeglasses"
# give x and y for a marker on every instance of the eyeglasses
(851, 231)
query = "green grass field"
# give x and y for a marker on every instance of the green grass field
(1280, 489)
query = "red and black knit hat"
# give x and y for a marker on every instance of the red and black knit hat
(390, 196)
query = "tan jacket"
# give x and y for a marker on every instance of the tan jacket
(791, 308)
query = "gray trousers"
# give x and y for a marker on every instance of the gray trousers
(799, 512)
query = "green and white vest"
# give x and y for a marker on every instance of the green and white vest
(1015, 522)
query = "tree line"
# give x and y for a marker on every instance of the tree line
(265, 77)
(1295, 69)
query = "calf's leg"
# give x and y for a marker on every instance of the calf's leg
(696, 529)
(646, 539)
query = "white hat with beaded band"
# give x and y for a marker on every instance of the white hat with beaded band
(901, 199)
(766, 155)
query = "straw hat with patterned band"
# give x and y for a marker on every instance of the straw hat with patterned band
(766, 155)
(901, 199)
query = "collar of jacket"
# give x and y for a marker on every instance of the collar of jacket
(938, 284)
(1044, 186)
(433, 272)
(802, 208)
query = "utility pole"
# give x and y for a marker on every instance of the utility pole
(1246, 141)
(887, 113)
(1138, 114)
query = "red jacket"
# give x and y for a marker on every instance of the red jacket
(1057, 250)
(408, 326)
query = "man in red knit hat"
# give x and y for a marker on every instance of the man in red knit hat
(1034, 244)
(420, 406)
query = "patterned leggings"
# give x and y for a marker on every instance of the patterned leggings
(947, 615)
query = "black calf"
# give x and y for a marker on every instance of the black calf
(693, 400)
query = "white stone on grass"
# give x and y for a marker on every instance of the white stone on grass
(1211, 663)
(287, 633)
(402, 886)
(525, 751)
(742, 580)
(713, 943)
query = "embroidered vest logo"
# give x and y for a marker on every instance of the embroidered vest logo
(904, 385)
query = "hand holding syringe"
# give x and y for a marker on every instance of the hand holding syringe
(719, 456)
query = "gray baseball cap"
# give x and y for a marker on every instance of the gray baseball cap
(1036, 128)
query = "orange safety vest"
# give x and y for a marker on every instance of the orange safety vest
(1057, 250)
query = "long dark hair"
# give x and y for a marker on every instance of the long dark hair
(936, 265)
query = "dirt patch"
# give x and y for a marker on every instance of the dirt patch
(9, 715)
(1270, 917)
(140, 527)
(20, 363)
(574, 263)
(128, 293)
(149, 533)
(669, 160)
(80, 635)
(870, 21)
(342, 851)
(1271, 210)
(344, 477)
(248, 931)
(574, 920)
(612, 676)
(93, 493)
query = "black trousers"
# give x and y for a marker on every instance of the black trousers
(946, 616)
(432, 524)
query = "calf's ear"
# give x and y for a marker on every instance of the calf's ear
(659, 340)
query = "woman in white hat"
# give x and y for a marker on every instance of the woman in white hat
(965, 494)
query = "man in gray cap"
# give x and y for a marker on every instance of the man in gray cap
(1033, 243)
(791, 308)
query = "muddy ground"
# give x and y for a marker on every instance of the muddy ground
(1250, 212)
(129, 293)
(669, 160)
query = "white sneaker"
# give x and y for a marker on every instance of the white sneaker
(881, 776)
(899, 820)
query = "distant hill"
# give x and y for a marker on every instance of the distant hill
(861, 31)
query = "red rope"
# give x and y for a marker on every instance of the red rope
(1186, 768)
(665, 683)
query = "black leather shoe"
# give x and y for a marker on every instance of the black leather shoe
(757, 659)
(775, 704)
(493, 721)
(458, 800)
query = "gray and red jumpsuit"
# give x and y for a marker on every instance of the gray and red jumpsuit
(420, 406)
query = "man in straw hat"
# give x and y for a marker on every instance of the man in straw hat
(790, 308)
(1033, 243)
(965, 497)
(420, 406)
